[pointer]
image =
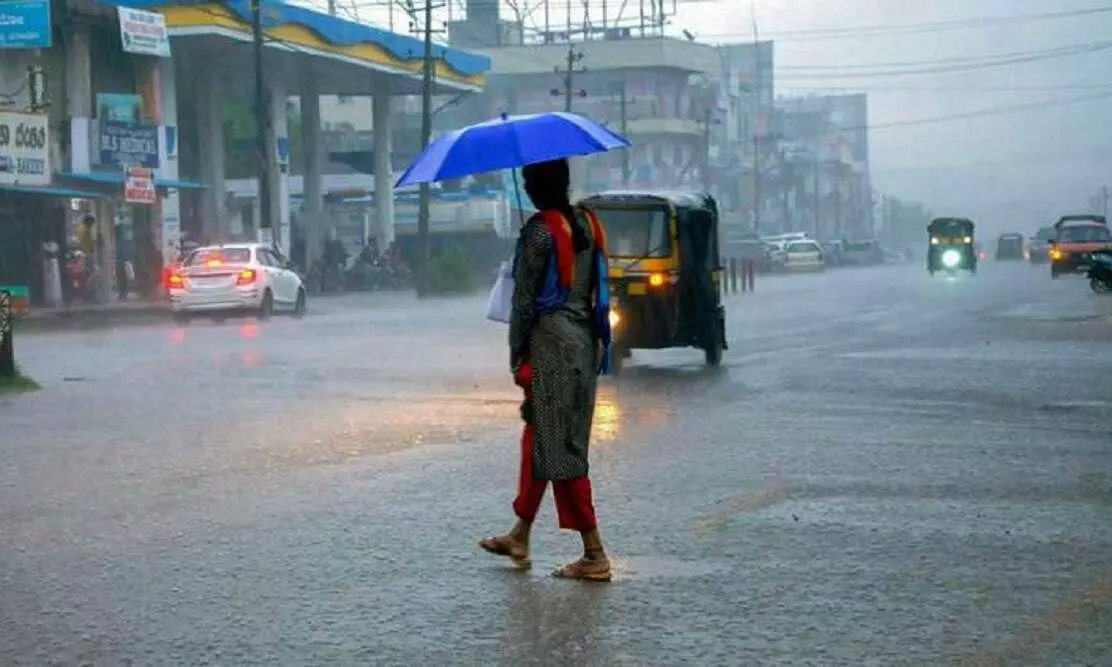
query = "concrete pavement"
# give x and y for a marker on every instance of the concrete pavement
(888, 469)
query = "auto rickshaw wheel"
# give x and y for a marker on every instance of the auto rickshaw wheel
(713, 350)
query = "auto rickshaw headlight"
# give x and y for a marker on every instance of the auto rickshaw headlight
(656, 279)
(934, 240)
(951, 258)
(614, 318)
(967, 239)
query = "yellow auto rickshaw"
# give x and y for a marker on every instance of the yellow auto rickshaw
(665, 272)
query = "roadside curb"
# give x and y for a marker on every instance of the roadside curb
(68, 320)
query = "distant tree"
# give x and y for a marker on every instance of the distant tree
(240, 157)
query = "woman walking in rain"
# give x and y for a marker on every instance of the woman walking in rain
(559, 334)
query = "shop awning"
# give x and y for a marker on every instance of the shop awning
(68, 193)
(117, 178)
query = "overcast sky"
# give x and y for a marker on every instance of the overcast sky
(1009, 169)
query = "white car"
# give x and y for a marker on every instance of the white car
(804, 255)
(234, 278)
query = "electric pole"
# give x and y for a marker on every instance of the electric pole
(428, 71)
(262, 124)
(570, 69)
(624, 115)
(757, 87)
(1104, 201)
(706, 149)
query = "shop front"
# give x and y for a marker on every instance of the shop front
(35, 212)
(127, 150)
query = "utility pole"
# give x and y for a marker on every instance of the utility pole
(571, 68)
(569, 71)
(624, 115)
(818, 198)
(706, 149)
(428, 70)
(1104, 201)
(757, 87)
(262, 124)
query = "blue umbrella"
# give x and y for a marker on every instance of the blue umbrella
(509, 142)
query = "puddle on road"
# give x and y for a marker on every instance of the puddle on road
(643, 568)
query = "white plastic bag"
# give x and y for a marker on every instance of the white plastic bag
(500, 302)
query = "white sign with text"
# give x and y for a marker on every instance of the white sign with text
(24, 149)
(144, 33)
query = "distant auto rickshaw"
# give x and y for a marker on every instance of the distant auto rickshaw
(665, 273)
(1010, 247)
(951, 246)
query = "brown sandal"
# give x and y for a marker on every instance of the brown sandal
(585, 570)
(504, 545)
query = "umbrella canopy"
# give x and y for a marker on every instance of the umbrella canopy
(509, 142)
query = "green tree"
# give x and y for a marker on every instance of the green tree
(240, 158)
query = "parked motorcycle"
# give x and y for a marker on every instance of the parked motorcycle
(1100, 273)
(81, 274)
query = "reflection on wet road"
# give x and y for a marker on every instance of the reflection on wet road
(888, 469)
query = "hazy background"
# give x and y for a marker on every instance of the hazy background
(1007, 166)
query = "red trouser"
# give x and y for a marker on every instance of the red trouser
(574, 504)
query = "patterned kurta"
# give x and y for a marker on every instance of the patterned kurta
(562, 348)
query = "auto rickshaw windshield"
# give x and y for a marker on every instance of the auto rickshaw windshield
(636, 232)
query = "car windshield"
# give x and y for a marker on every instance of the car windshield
(211, 256)
(1045, 234)
(638, 232)
(1084, 234)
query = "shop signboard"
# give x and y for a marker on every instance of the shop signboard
(25, 24)
(24, 149)
(19, 298)
(128, 144)
(144, 33)
(139, 185)
(119, 107)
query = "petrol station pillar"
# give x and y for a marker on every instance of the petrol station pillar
(384, 175)
(279, 141)
(210, 134)
(313, 144)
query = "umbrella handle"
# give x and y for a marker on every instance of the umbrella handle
(517, 196)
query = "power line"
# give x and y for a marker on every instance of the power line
(861, 32)
(1003, 62)
(992, 111)
(818, 88)
(1069, 49)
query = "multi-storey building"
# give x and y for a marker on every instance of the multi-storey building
(823, 177)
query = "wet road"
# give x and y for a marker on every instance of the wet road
(888, 470)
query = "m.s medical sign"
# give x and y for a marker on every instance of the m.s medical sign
(24, 149)
(128, 144)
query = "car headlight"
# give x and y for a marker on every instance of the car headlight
(951, 258)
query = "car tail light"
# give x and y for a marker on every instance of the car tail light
(246, 277)
(175, 280)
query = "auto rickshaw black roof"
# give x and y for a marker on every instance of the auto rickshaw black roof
(680, 199)
(1083, 217)
(949, 222)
